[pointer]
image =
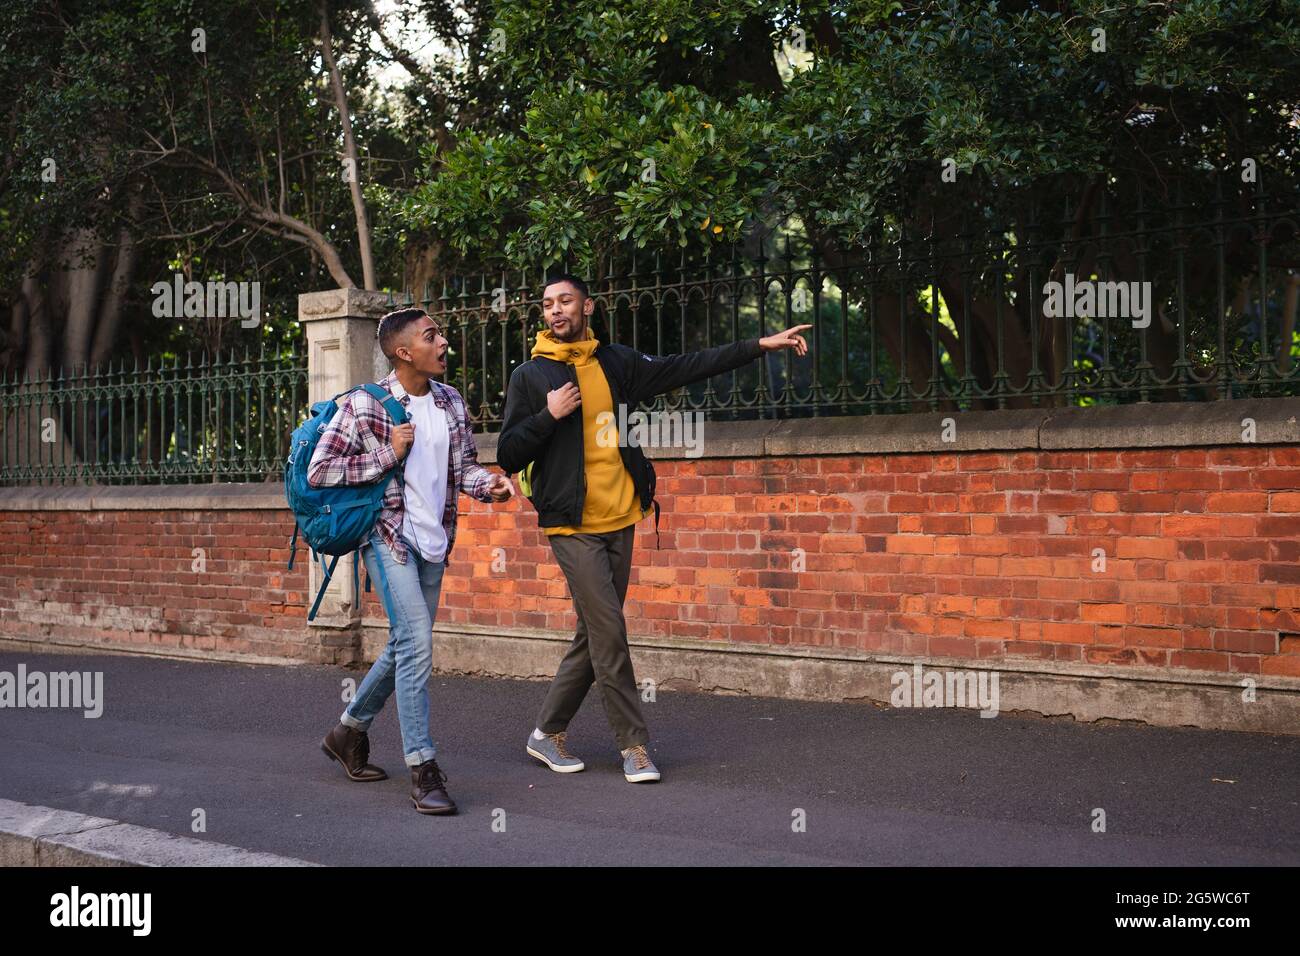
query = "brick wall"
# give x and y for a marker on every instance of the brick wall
(130, 579)
(973, 553)
(981, 555)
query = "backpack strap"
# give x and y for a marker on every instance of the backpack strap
(396, 411)
(394, 408)
(320, 595)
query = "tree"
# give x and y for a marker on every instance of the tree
(845, 115)
(154, 138)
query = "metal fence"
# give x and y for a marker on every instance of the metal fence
(1110, 299)
(204, 419)
(1192, 299)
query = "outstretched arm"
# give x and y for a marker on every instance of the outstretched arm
(655, 374)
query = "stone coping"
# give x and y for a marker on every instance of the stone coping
(1163, 425)
(210, 497)
(1159, 425)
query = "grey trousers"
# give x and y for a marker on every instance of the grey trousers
(597, 567)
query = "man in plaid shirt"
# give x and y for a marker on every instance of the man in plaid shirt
(408, 549)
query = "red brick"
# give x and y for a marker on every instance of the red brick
(1282, 479)
(1199, 660)
(1283, 666)
(1104, 613)
(1245, 642)
(953, 647)
(1237, 502)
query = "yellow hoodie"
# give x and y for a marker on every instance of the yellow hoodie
(611, 503)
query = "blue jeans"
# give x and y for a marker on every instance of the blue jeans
(411, 602)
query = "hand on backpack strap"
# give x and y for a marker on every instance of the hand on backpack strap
(403, 439)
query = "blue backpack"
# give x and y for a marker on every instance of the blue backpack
(336, 520)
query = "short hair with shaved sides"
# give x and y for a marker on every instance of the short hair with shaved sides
(393, 326)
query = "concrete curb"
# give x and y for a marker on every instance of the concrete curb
(55, 645)
(1087, 693)
(43, 836)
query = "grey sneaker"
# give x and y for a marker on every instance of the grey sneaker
(638, 767)
(550, 750)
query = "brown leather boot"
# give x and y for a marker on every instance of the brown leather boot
(351, 747)
(427, 791)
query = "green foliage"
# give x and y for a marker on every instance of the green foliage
(113, 92)
(1026, 108)
(585, 166)
(1020, 97)
(549, 125)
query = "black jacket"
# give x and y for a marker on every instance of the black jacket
(555, 448)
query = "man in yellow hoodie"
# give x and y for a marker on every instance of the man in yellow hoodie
(590, 493)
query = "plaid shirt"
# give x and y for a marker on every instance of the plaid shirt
(357, 449)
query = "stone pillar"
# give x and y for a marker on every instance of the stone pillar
(341, 352)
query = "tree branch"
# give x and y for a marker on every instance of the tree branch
(292, 227)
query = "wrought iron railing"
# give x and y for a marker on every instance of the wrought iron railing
(955, 316)
(197, 419)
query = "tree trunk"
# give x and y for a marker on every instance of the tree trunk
(422, 269)
(110, 315)
(1287, 331)
(39, 339)
(86, 255)
(33, 418)
(17, 343)
(350, 151)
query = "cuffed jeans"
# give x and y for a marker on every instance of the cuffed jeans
(597, 567)
(411, 602)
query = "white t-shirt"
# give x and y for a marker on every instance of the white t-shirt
(426, 478)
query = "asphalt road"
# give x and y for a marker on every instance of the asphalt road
(876, 786)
